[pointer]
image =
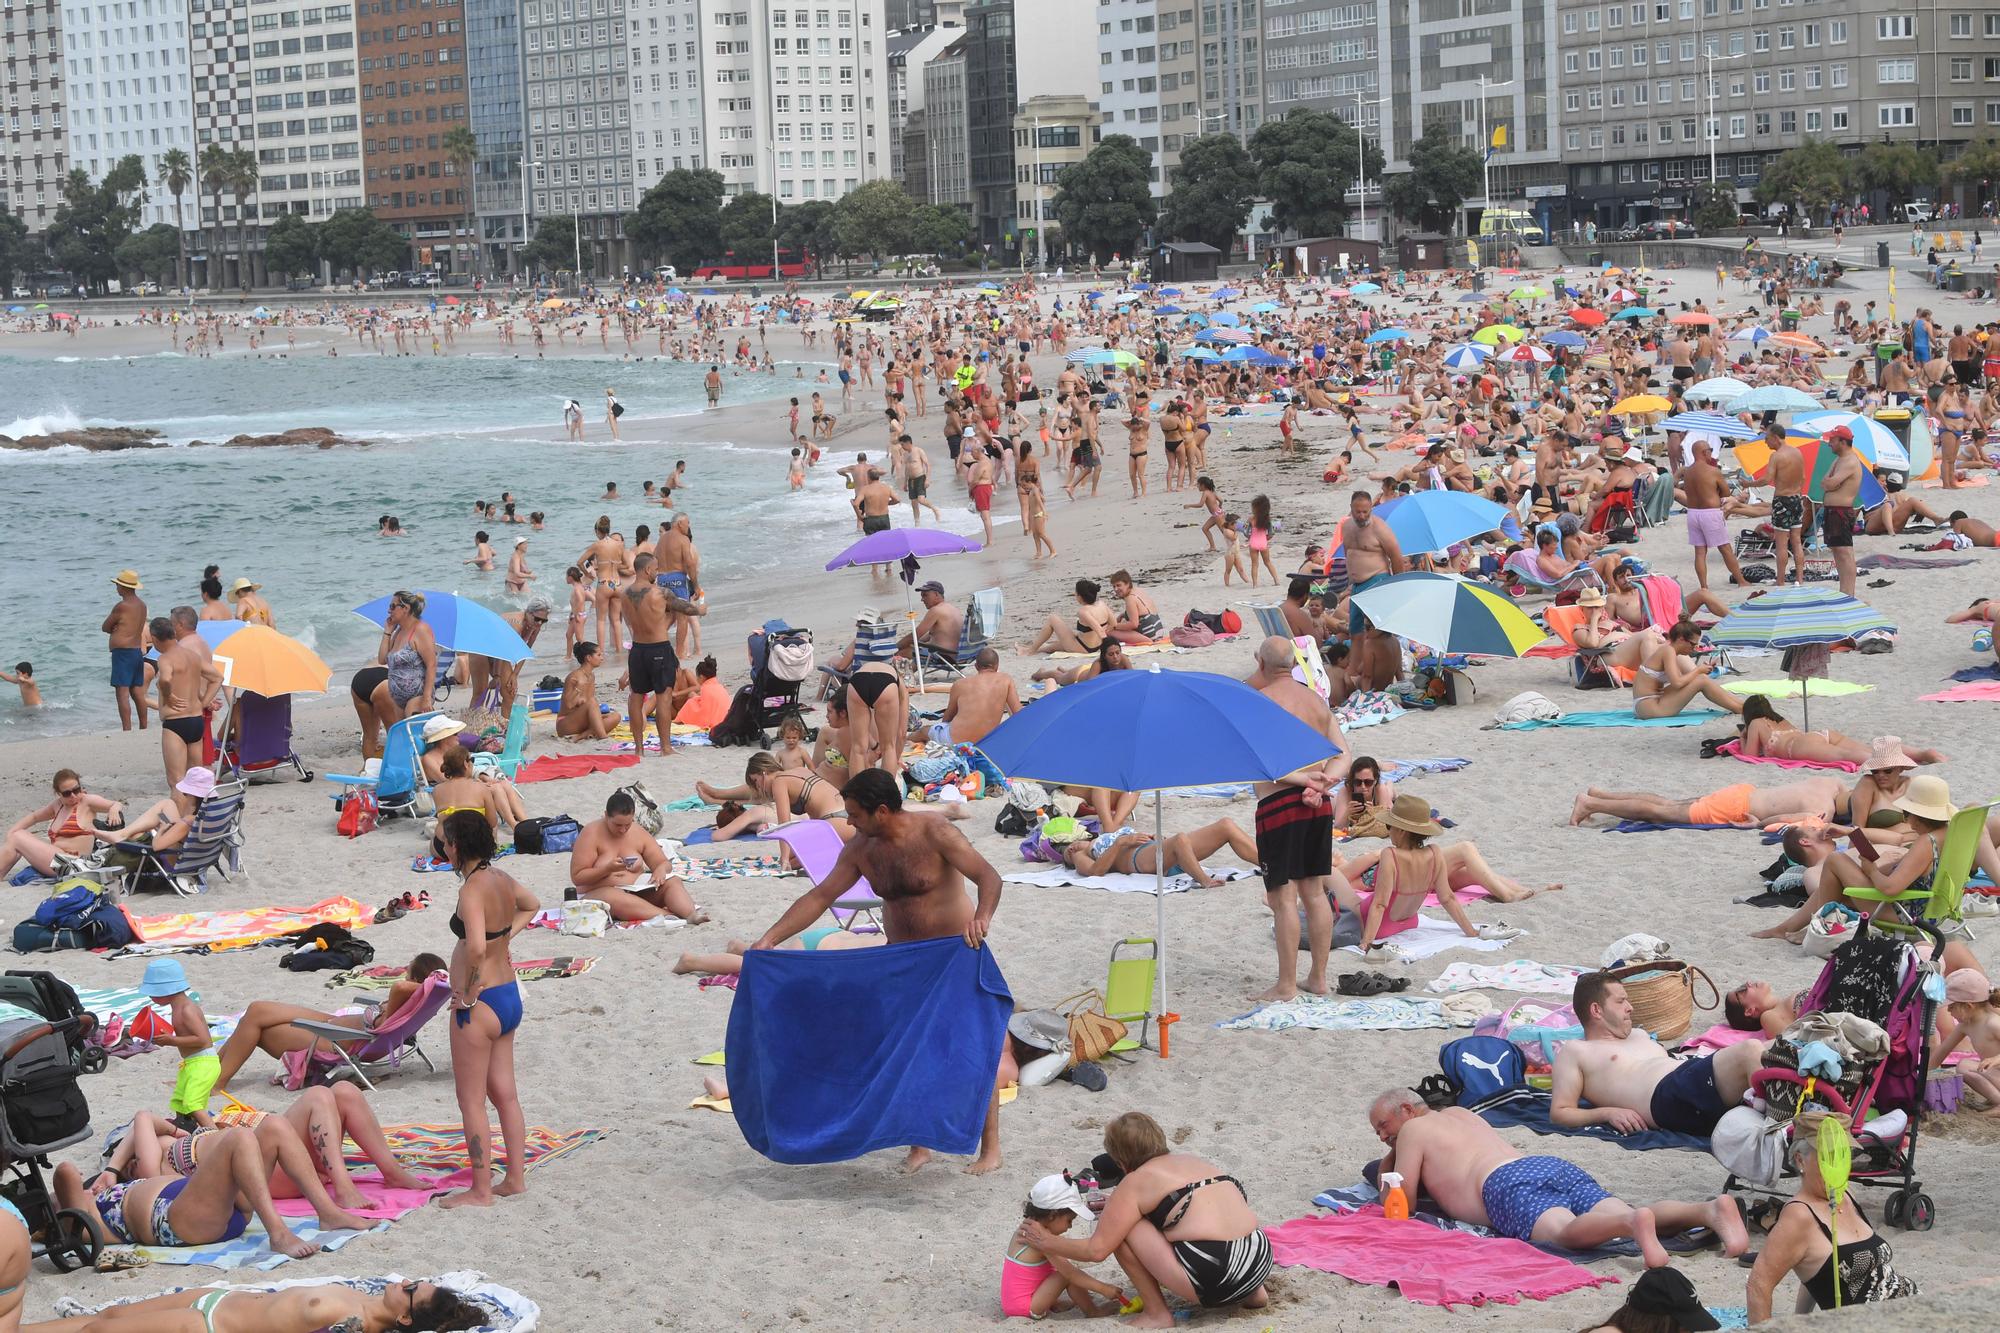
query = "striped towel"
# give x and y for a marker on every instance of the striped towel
(213, 932)
(383, 976)
(428, 1149)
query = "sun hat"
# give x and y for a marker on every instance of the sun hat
(198, 783)
(241, 586)
(128, 578)
(1929, 797)
(1051, 1193)
(1590, 597)
(164, 977)
(520, 541)
(867, 615)
(441, 728)
(1967, 985)
(1886, 752)
(1667, 1292)
(1412, 814)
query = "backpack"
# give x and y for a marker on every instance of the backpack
(646, 810)
(325, 947)
(541, 837)
(739, 724)
(1212, 619)
(1231, 623)
(1477, 1072)
(79, 915)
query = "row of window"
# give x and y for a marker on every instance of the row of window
(1810, 78)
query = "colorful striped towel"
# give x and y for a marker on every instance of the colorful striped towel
(215, 931)
(1617, 717)
(252, 1249)
(434, 1150)
(106, 1002)
(507, 1311)
(727, 867)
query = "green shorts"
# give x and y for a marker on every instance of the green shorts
(195, 1082)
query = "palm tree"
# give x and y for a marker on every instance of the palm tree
(243, 181)
(214, 179)
(178, 174)
(461, 149)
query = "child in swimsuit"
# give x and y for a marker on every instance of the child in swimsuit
(200, 1067)
(1031, 1283)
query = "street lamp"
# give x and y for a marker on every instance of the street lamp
(771, 150)
(1361, 156)
(1485, 149)
(526, 166)
(1708, 54)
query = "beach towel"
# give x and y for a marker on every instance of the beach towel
(688, 803)
(439, 1149)
(435, 865)
(382, 976)
(1431, 935)
(1222, 791)
(550, 767)
(1648, 826)
(1332, 1013)
(507, 1311)
(106, 1002)
(1429, 1266)
(1717, 1038)
(1981, 691)
(1058, 877)
(709, 706)
(212, 932)
(1908, 562)
(1990, 671)
(1368, 708)
(836, 1055)
(1516, 974)
(252, 1249)
(1131, 649)
(1819, 688)
(726, 867)
(1363, 1198)
(1533, 1113)
(1734, 749)
(1618, 717)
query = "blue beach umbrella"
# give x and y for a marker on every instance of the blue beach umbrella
(1433, 520)
(1227, 293)
(1564, 338)
(1255, 356)
(1228, 318)
(17, 310)
(1872, 440)
(1636, 312)
(1466, 356)
(1263, 307)
(1167, 310)
(1390, 336)
(1194, 320)
(1471, 298)
(1201, 354)
(1154, 730)
(1752, 335)
(460, 624)
(1170, 291)
(1365, 288)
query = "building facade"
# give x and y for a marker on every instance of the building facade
(947, 141)
(498, 117)
(1016, 50)
(413, 93)
(906, 54)
(1051, 133)
(304, 82)
(128, 92)
(1149, 84)
(34, 153)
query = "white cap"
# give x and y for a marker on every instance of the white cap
(1053, 1192)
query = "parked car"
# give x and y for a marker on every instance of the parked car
(298, 284)
(56, 289)
(148, 288)
(1922, 210)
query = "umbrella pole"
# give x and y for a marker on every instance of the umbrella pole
(1160, 907)
(916, 649)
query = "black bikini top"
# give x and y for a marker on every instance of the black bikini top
(458, 929)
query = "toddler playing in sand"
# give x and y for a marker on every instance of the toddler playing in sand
(1969, 997)
(1033, 1284)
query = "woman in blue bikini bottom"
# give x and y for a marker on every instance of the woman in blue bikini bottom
(195, 1210)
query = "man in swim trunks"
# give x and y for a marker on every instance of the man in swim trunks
(126, 626)
(872, 500)
(1459, 1161)
(189, 683)
(651, 667)
(1629, 1079)
(1786, 473)
(1295, 833)
(978, 703)
(1704, 489)
(624, 867)
(1372, 552)
(980, 480)
(916, 468)
(1838, 496)
(1738, 806)
(679, 571)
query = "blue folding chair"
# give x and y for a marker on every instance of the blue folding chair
(400, 782)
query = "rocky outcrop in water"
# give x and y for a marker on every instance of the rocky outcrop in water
(318, 437)
(111, 439)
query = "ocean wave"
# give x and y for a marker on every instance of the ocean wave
(46, 423)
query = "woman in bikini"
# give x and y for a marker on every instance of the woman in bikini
(1954, 420)
(1085, 635)
(1766, 734)
(1407, 873)
(1856, 1269)
(406, 1307)
(459, 789)
(878, 713)
(70, 817)
(605, 559)
(1175, 1223)
(1669, 678)
(486, 1004)
(199, 1209)
(1126, 851)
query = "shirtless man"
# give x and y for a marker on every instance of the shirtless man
(712, 382)
(1840, 493)
(1373, 553)
(679, 572)
(979, 477)
(126, 625)
(872, 500)
(978, 703)
(1629, 1079)
(1787, 475)
(1475, 1176)
(189, 682)
(625, 868)
(578, 713)
(1978, 533)
(1295, 833)
(919, 867)
(652, 666)
(915, 465)
(402, 1307)
(1703, 489)
(939, 630)
(1739, 806)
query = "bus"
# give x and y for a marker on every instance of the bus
(733, 268)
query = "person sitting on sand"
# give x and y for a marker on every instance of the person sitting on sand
(1766, 733)
(194, 1210)
(1126, 851)
(70, 818)
(1669, 677)
(1474, 1175)
(978, 703)
(267, 1024)
(1737, 806)
(1629, 1079)
(1801, 1242)
(1176, 1224)
(1660, 1300)
(578, 713)
(625, 868)
(1407, 872)
(1081, 634)
(459, 788)
(1894, 871)
(1140, 624)
(1360, 801)
(400, 1307)
(1972, 1018)
(813, 939)
(1033, 1284)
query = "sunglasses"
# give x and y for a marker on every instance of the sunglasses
(70, 792)
(1361, 782)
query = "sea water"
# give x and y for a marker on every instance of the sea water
(301, 521)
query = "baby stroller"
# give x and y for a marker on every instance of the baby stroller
(257, 737)
(1880, 978)
(42, 1108)
(781, 658)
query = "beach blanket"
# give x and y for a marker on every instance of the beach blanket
(1131, 649)
(1057, 877)
(1990, 671)
(1908, 562)
(726, 867)
(1979, 691)
(1368, 708)
(1734, 749)
(1363, 1198)
(382, 976)
(1648, 826)
(1533, 1113)
(1333, 1013)
(1223, 791)
(1617, 717)
(506, 1310)
(106, 1002)
(1820, 688)
(1428, 1266)
(1718, 1038)
(252, 1249)
(687, 803)
(705, 835)
(212, 932)
(1516, 974)
(439, 1149)
(681, 742)
(550, 767)
(1431, 935)
(835, 1055)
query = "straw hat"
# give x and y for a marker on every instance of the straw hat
(128, 578)
(1929, 797)
(1887, 752)
(241, 586)
(1412, 814)
(1590, 597)
(441, 728)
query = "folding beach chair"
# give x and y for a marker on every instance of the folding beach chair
(982, 626)
(441, 684)
(1944, 900)
(1520, 567)
(257, 736)
(215, 834)
(872, 643)
(351, 1054)
(1656, 500)
(1591, 668)
(514, 750)
(400, 782)
(817, 846)
(1270, 621)
(1128, 989)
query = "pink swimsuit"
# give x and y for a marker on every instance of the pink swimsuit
(1018, 1284)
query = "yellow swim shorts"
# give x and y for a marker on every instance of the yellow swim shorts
(195, 1082)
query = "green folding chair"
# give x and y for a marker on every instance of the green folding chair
(1944, 900)
(1128, 989)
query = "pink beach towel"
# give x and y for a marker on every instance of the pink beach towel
(1734, 749)
(1429, 1266)
(1718, 1037)
(552, 766)
(1972, 692)
(384, 1203)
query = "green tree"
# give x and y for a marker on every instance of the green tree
(875, 220)
(291, 246)
(1442, 175)
(1813, 175)
(1978, 163)
(153, 253)
(1899, 169)
(1106, 201)
(553, 247)
(461, 149)
(177, 174)
(18, 254)
(809, 229)
(1209, 192)
(95, 219)
(745, 225)
(243, 181)
(679, 219)
(1713, 206)
(215, 180)
(1305, 165)
(938, 228)
(355, 240)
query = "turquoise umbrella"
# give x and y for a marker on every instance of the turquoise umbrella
(1794, 617)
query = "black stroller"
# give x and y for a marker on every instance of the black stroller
(42, 1108)
(781, 658)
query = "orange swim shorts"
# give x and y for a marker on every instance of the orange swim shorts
(1731, 805)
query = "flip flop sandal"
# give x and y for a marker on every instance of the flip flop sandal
(1350, 983)
(392, 911)
(1390, 985)
(121, 1259)
(1882, 583)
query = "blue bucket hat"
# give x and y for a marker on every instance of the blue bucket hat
(164, 977)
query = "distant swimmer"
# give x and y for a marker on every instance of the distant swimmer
(23, 675)
(519, 576)
(610, 491)
(482, 553)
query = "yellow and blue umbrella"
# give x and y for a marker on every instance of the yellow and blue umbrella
(1450, 614)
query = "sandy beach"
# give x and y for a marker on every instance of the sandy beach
(708, 1234)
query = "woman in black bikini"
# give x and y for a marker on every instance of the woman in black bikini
(1802, 1243)
(1175, 1223)
(1093, 622)
(793, 793)
(877, 713)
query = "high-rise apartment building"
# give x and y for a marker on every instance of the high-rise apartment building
(34, 149)
(1017, 50)
(906, 54)
(498, 117)
(579, 105)
(1149, 84)
(304, 78)
(413, 92)
(946, 148)
(128, 91)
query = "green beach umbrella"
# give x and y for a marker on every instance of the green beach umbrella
(1493, 334)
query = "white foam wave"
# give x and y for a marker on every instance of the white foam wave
(47, 423)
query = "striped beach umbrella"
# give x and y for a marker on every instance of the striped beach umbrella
(1466, 356)
(1716, 389)
(1773, 398)
(1874, 441)
(1711, 423)
(1795, 615)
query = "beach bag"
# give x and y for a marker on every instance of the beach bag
(1092, 1033)
(646, 810)
(78, 915)
(1662, 995)
(617, 408)
(1833, 926)
(359, 814)
(1479, 1072)
(586, 917)
(739, 724)
(1591, 673)
(543, 837)
(1191, 636)
(1212, 619)
(1231, 623)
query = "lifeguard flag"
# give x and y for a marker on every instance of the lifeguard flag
(1499, 141)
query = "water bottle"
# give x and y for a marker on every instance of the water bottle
(1395, 1203)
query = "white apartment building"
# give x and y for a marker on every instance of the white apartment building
(307, 97)
(128, 91)
(667, 114)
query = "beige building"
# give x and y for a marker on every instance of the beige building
(1051, 132)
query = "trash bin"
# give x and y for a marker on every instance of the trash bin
(1790, 320)
(1954, 280)
(1881, 254)
(1885, 353)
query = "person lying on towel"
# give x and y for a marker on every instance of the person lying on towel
(408, 1307)
(1474, 1175)
(1737, 806)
